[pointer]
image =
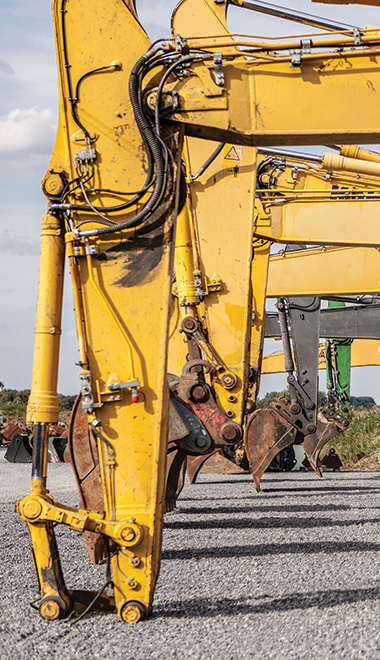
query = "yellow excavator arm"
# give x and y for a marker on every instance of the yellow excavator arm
(364, 353)
(115, 185)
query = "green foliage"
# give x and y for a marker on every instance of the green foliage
(273, 396)
(66, 401)
(362, 401)
(13, 403)
(284, 397)
(361, 442)
(359, 446)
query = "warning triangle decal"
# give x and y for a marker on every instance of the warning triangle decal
(232, 154)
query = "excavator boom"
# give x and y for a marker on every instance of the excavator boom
(115, 186)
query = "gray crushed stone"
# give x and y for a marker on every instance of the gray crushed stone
(292, 573)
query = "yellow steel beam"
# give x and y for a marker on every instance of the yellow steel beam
(324, 271)
(221, 245)
(322, 223)
(224, 258)
(319, 98)
(364, 353)
(306, 202)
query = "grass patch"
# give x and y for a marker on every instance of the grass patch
(359, 446)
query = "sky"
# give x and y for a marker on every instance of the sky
(28, 118)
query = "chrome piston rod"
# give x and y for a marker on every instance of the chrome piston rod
(293, 15)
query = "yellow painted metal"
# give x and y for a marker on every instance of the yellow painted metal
(310, 203)
(375, 3)
(324, 271)
(185, 265)
(43, 402)
(353, 151)
(364, 353)
(122, 292)
(224, 254)
(322, 223)
(246, 110)
(122, 281)
(260, 269)
(219, 225)
(343, 164)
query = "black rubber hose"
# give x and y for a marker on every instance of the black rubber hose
(73, 101)
(153, 144)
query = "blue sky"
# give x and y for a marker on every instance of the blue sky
(28, 115)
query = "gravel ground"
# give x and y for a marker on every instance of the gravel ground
(291, 573)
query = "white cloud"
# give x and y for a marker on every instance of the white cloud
(28, 130)
(5, 68)
(14, 244)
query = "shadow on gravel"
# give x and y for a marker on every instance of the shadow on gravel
(226, 552)
(322, 489)
(201, 607)
(266, 523)
(275, 508)
(221, 482)
(292, 492)
(331, 476)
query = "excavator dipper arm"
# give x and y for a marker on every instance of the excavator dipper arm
(114, 193)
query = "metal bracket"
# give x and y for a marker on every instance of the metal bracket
(218, 68)
(306, 45)
(128, 385)
(190, 327)
(181, 45)
(357, 37)
(296, 59)
(85, 155)
(295, 173)
(86, 392)
(307, 402)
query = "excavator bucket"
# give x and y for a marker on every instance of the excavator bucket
(175, 476)
(214, 463)
(314, 443)
(19, 450)
(84, 459)
(267, 432)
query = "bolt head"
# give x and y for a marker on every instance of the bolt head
(231, 432)
(201, 442)
(133, 612)
(249, 406)
(50, 610)
(127, 534)
(311, 428)
(199, 393)
(189, 324)
(32, 509)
